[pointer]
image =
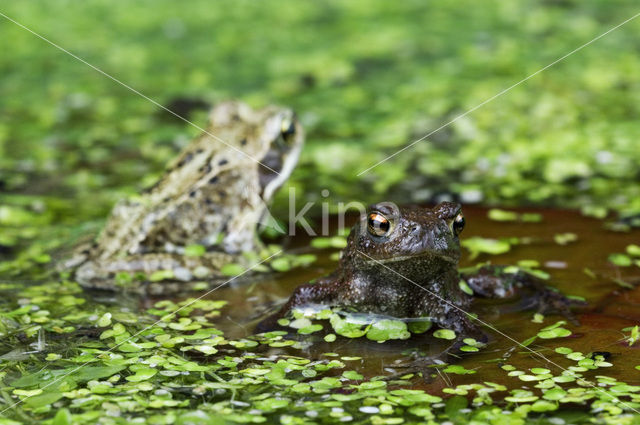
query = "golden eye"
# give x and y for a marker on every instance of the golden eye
(458, 224)
(378, 225)
(288, 128)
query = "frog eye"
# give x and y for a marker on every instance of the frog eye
(458, 224)
(288, 128)
(378, 225)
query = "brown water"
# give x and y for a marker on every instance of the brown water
(611, 308)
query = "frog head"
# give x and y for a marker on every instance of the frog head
(270, 138)
(282, 136)
(414, 242)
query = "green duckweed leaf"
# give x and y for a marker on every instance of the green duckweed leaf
(634, 335)
(347, 329)
(194, 250)
(633, 250)
(306, 330)
(540, 371)
(330, 337)
(565, 238)
(563, 350)
(620, 260)
(478, 245)
(554, 333)
(386, 329)
(280, 264)
(445, 334)
(544, 406)
(104, 320)
(339, 242)
(161, 275)
(502, 215)
(142, 374)
(458, 370)
(352, 375)
(555, 393)
(465, 287)
(232, 269)
(299, 323)
(419, 326)
(62, 417)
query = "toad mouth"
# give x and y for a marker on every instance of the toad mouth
(399, 258)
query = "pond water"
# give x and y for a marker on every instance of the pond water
(610, 307)
(152, 372)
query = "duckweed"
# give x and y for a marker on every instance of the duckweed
(503, 215)
(71, 360)
(620, 260)
(478, 245)
(554, 331)
(634, 335)
(565, 238)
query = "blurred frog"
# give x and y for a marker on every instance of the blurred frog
(214, 195)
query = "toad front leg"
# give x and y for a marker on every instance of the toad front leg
(325, 291)
(495, 282)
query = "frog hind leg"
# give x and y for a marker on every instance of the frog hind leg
(104, 274)
(494, 282)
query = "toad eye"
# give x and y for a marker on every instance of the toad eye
(458, 224)
(378, 225)
(288, 128)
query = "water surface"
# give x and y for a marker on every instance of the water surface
(610, 307)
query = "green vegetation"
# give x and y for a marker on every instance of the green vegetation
(366, 78)
(162, 368)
